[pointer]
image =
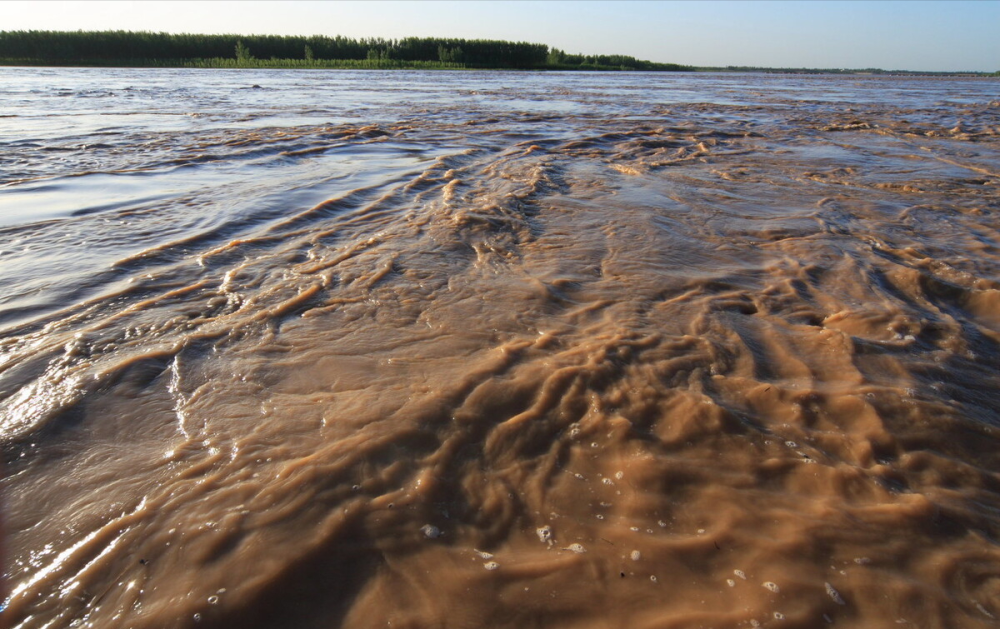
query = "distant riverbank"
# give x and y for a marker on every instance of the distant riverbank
(143, 49)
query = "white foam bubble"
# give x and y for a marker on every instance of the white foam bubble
(636, 555)
(740, 574)
(544, 533)
(576, 548)
(430, 531)
(491, 565)
(834, 594)
(771, 586)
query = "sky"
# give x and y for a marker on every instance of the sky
(894, 35)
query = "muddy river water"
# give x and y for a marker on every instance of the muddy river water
(502, 350)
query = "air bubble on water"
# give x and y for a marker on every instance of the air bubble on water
(212, 600)
(593, 444)
(754, 623)
(600, 517)
(634, 529)
(619, 475)
(791, 444)
(544, 534)
(862, 561)
(430, 531)
(731, 583)
(197, 617)
(608, 481)
(779, 616)
(652, 578)
(483, 553)
(740, 574)
(701, 531)
(636, 555)
(662, 524)
(580, 476)
(771, 586)
(834, 594)
(576, 548)
(491, 565)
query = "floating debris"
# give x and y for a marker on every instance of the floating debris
(740, 574)
(576, 548)
(430, 531)
(731, 583)
(779, 616)
(483, 553)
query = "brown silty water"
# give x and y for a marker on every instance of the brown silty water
(712, 366)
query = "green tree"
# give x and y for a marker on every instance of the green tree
(242, 52)
(309, 53)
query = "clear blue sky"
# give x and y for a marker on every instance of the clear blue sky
(890, 35)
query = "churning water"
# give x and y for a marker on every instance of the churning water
(368, 349)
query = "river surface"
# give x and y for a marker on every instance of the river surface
(321, 349)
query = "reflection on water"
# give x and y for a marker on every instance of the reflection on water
(498, 349)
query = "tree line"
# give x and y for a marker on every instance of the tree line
(131, 48)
